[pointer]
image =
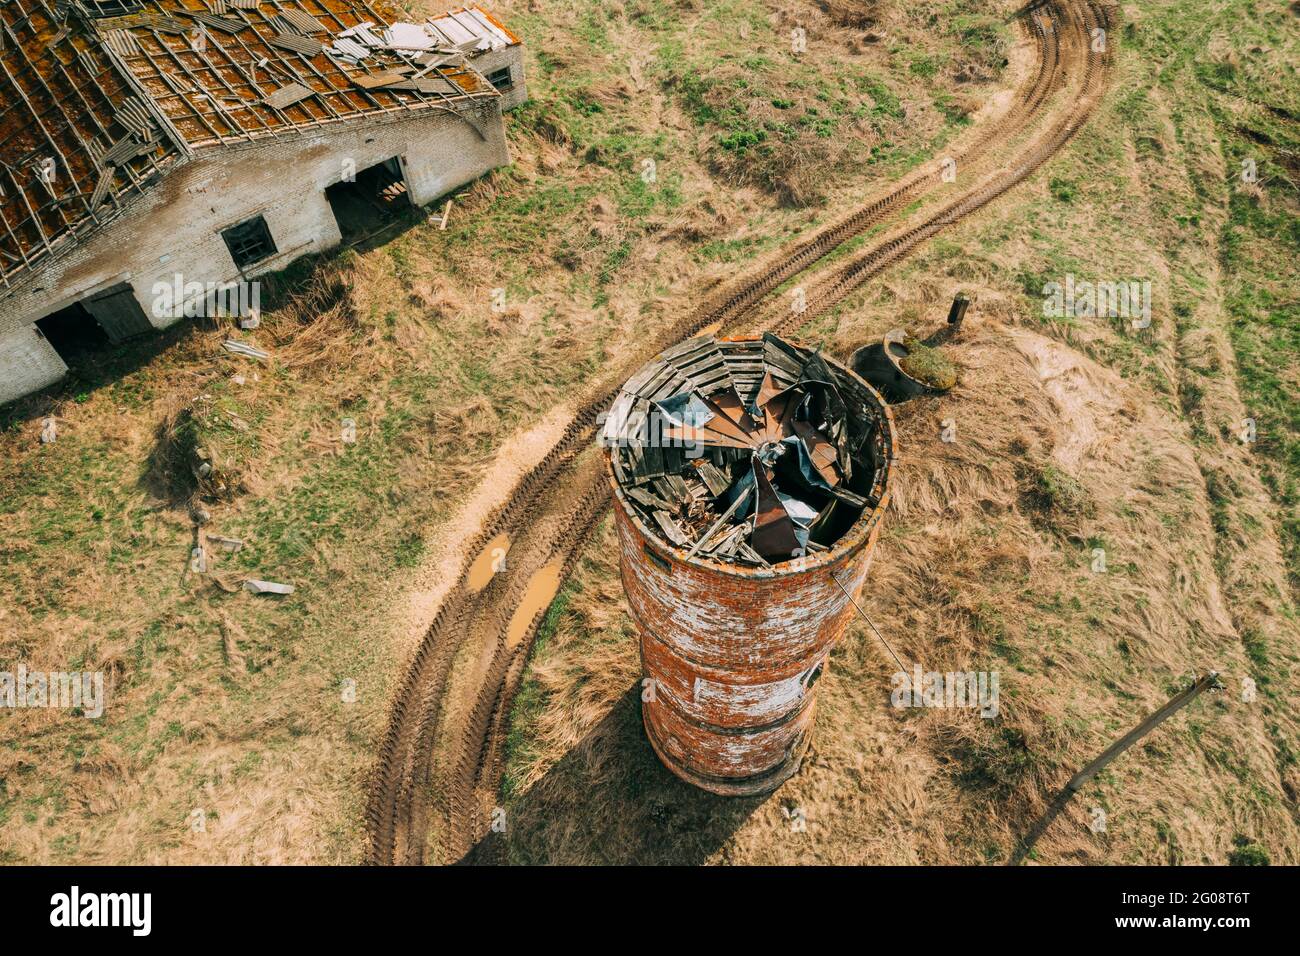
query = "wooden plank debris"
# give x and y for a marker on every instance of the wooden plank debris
(670, 528)
(377, 80)
(714, 477)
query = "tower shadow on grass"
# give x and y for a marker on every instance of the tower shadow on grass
(609, 800)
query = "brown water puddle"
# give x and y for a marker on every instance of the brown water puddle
(541, 591)
(490, 560)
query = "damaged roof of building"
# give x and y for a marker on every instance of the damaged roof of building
(102, 97)
(748, 451)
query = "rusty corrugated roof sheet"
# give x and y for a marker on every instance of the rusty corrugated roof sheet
(100, 97)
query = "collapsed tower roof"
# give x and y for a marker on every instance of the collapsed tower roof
(748, 451)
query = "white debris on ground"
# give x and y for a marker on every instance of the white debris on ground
(267, 587)
(240, 348)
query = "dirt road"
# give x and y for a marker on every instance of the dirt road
(438, 774)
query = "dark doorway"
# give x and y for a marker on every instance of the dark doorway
(74, 333)
(376, 200)
(86, 330)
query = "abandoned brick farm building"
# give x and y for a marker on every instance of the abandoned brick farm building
(146, 141)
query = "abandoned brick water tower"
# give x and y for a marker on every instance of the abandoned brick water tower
(212, 141)
(749, 477)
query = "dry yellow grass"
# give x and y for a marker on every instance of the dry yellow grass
(967, 577)
(978, 569)
(236, 710)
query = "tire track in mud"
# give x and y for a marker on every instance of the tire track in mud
(443, 753)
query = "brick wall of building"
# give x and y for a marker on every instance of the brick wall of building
(27, 363)
(510, 58)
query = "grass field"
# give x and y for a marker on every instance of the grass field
(1073, 434)
(242, 728)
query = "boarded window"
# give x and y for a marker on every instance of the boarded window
(501, 78)
(249, 242)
